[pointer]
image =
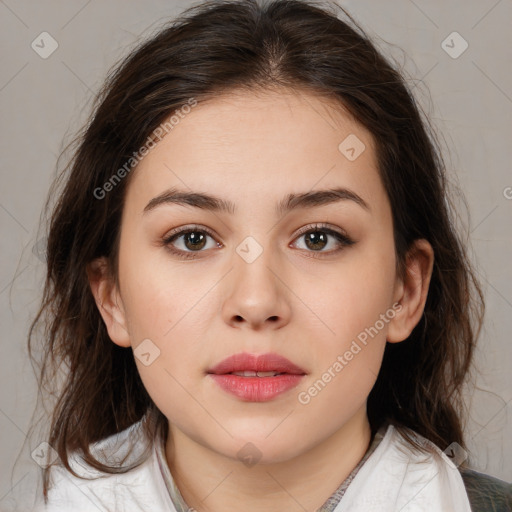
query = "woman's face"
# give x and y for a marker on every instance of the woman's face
(264, 275)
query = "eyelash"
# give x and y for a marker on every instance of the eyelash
(342, 239)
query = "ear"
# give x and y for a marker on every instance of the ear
(411, 292)
(109, 301)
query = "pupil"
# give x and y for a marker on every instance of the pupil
(311, 238)
(196, 240)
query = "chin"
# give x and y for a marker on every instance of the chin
(261, 448)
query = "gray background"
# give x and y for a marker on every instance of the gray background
(44, 101)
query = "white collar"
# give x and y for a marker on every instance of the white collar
(395, 479)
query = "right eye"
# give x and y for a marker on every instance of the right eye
(193, 238)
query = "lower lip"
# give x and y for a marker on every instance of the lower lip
(256, 389)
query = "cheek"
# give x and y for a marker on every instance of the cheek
(347, 358)
(171, 308)
(350, 298)
(159, 295)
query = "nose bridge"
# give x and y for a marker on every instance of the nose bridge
(253, 261)
(256, 292)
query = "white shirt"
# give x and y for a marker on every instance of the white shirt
(392, 479)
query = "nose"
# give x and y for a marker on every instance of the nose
(257, 296)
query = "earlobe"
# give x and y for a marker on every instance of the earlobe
(412, 291)
(108, 301)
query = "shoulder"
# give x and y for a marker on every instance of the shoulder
(484, 492)
(405, 475)
(137, 489)
(487, 493)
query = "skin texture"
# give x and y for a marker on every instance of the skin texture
(255, 149)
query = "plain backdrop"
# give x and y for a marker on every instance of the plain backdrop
(44, 101)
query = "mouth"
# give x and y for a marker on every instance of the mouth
(252, 365)
(250, 373)
(256, 378)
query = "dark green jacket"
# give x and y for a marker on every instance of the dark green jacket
(486, 493)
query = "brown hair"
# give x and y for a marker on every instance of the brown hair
(214, 48)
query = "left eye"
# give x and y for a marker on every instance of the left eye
(318, 239)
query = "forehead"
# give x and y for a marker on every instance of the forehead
(246, 146)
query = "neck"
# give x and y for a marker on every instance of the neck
(208, 480)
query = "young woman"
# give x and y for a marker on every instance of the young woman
(254, 282)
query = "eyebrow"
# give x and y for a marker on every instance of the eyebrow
(291, 202)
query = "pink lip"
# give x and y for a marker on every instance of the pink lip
(256, 389)
(258, 363)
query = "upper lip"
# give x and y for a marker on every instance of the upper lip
(258, 363)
